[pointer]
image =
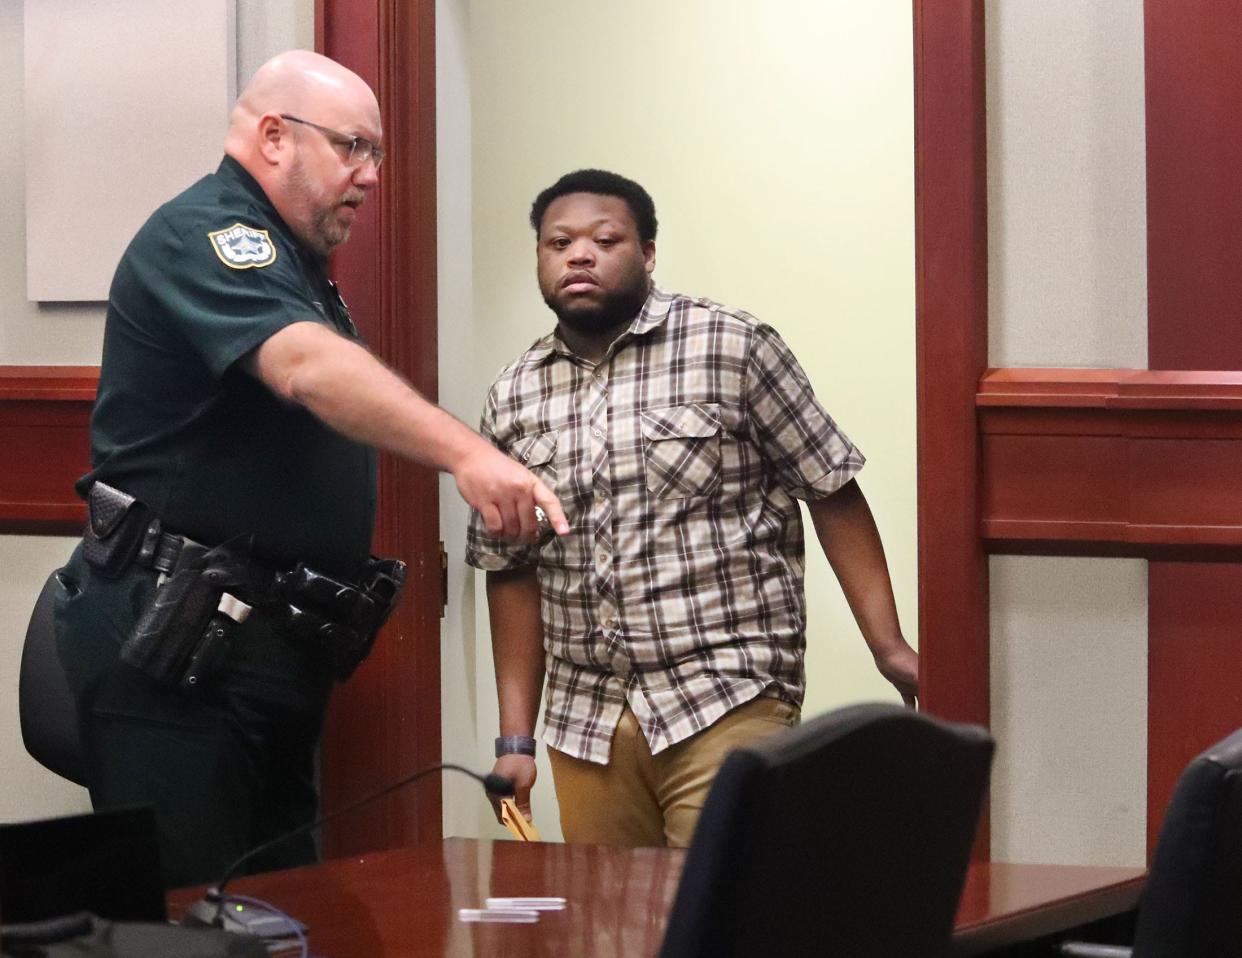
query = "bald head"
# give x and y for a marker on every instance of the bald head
(291, 129)
(289, 82)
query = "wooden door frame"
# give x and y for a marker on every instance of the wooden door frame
(385, 722)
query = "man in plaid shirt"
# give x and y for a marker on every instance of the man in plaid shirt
(670, 623)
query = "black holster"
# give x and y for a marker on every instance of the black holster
(185, 632)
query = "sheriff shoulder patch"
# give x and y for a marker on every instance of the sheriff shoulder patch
(243, 247)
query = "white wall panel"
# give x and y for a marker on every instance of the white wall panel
(1067, 203)
(126, 103)
(1069, 710)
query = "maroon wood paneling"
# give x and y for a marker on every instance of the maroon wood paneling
(385, 722)
(1124, 462)
(950, 203)
(1193, 69)
(1193, 60)
(1194, 660)
(45, 429)
(951, 306)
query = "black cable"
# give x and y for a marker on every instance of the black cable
(492, 783)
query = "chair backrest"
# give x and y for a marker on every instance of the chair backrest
(45, 703)
(107, 863)
(849, 835)
(1192, 905)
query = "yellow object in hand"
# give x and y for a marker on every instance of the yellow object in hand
(516, 822)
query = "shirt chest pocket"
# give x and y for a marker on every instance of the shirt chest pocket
(538, 454)
(681, 450)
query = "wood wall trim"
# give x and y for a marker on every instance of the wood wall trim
(951, 316)
(45, 416)
(385, 722)
(1111, 388)
(1111, 462)
(951, 286)
(67, 383)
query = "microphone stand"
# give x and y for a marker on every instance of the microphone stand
(208, 911)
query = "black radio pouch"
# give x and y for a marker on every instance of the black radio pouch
(115, 525)
(336, 620)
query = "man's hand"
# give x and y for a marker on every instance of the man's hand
(506, 493)
(900, 665)
(354, 393)
(521, 769)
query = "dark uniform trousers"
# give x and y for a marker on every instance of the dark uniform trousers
(225, 767)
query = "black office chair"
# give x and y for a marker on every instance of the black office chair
(849, 835)
(45, 704)
(1192, 904)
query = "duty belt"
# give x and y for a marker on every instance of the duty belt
(209, 590)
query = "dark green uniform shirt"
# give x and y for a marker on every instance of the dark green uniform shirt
(210, 276)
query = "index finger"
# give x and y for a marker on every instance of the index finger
(546, 500)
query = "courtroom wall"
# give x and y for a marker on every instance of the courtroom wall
(1067, 287)
(64, 334)
(463, 684)
(781, 163)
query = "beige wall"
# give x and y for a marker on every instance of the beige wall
(1067, 286)
(60, 334)
(777, 142)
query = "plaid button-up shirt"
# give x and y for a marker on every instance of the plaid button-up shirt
(678, 459)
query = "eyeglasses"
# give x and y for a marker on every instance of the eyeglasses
(360, 148)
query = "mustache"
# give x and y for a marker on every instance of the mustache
(579, 276)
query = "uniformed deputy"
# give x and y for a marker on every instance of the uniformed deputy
(237, 408)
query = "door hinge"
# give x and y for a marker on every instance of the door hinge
(443, 580)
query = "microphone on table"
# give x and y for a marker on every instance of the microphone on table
(209, 910)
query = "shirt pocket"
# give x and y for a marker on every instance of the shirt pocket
(682, 450)
(537, 453)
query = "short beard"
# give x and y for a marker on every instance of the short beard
(616, 310)
(324, 233)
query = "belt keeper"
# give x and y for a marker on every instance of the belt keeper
(515, 745)
(150, 540)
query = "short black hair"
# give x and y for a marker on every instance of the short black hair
(602, 183)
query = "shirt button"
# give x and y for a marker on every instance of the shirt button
(603, 558)
(597, 433)
(609, 622)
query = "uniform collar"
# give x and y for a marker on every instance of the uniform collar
(232, 171)
(652, 316)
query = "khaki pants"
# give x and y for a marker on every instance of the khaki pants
(639, 799)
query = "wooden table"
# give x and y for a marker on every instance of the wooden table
(405, 902)
(1005, 904)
